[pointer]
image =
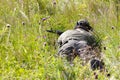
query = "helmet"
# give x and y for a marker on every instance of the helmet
(83, 24)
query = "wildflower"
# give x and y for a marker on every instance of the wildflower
(43, 19)
(44, 37)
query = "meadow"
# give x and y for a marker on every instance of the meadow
(27, 51)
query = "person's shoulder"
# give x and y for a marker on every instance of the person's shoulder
(84, 32)
(81, 31)
(68, 31)
(64, 34)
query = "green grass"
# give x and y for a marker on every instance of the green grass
(27, 51)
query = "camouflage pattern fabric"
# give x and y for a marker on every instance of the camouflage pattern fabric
(81, 42)
(76, 42)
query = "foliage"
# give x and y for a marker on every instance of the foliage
(27, 51)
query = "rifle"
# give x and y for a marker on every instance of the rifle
(58, 32)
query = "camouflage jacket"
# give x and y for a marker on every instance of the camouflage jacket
(76, 34)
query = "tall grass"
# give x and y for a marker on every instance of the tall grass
(27, 51)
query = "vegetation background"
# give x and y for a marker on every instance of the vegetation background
(27, 51)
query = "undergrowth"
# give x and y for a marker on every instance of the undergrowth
(27, 51)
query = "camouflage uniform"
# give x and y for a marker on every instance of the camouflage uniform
(77, 42)
(80, 42)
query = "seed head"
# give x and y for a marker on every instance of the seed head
(54, 3)
(113, 27)
(8, 25)
(23, 23)
(45, 43)
(108, 75)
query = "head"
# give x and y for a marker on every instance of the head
(83, 24)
